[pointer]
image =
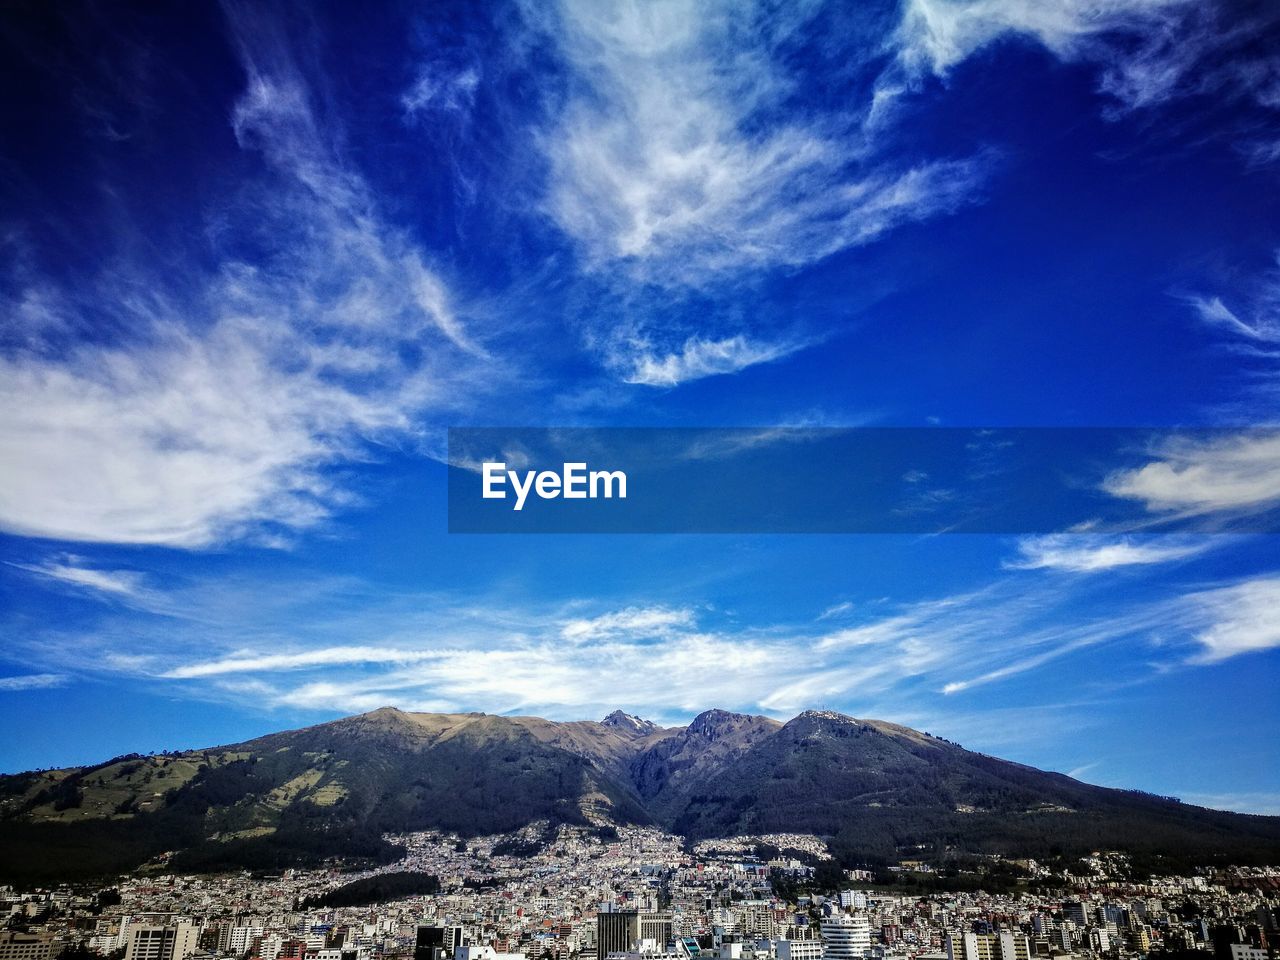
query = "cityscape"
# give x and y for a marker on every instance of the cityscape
(632, 893)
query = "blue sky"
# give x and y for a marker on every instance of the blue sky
(257, 261)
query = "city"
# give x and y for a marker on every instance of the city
(636, 893)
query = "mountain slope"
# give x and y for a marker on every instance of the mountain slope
(876, 789)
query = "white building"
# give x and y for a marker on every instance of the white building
(483, 953)
(241, 939)
(845, 937)
(798, 950)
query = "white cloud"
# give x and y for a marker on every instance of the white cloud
(1088, 553)
(675, 665)
(1027, 663)
(631, 621)
(1078, 773)
(34, 681)
(285, 647)
(936, 35)
(674, 154)
(700, 358)
(1241, 618)
(123, 583)
(836, 610)
(1213, 311)
(881, 631)
(274, 662)
(220, 408)
(437, 88)
(1146, 52)
(1193, 476)
(1250, 329)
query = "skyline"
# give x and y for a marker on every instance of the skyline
(257, 262)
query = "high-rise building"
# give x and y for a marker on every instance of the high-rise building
(241, 939)
(175, 942)
(623, 931)
(845, 937)
(617, 931)
(657, 927)
(1140, 939)
(433, 943)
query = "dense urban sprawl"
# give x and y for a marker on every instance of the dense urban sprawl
(629, 893)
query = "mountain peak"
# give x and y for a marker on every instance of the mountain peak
(818, 723)
(713, 724)
(629, 723)
(826, 715)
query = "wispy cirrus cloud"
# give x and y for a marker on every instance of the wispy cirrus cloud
(338, 647)
(676, 166)
(675, 658)
(1091, 553)
(218, 409)
(300, 660)
(439, 88)
(936, 35)
(699, 358)
(673, 157)
(1147, 53)
(1247, 326)
(1213, 311)
(73, 571)
(643, 622)
(33, 681)
(840, 609)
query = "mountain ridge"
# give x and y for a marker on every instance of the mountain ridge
(874, 788)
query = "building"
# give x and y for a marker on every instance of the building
(798, 949)
(25, 946)
(845, 937)
(484, 953)
(658, 928)
(175, 942)
(433, 943)
(989, 946)
(617, 931)
(623, 931)
(241, 939)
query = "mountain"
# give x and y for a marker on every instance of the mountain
(625, 721)
(875, 789)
